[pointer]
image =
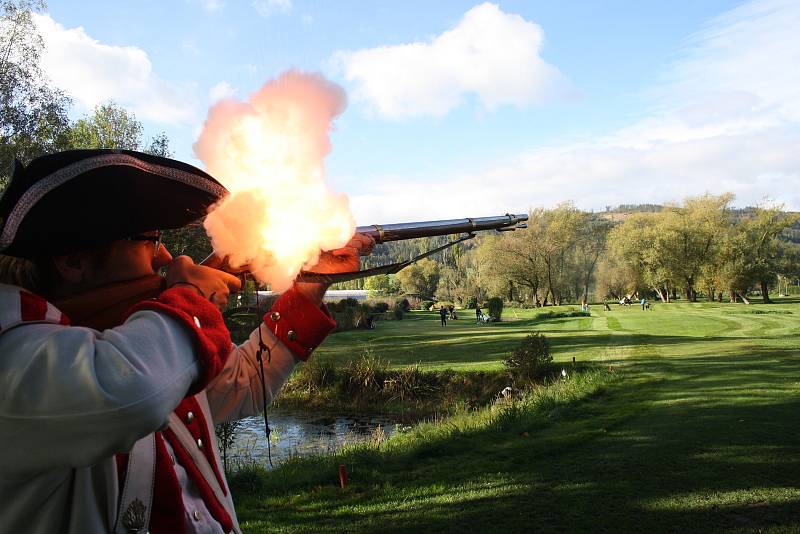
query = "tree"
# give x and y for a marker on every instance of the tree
(110, 126)
(561, 227)
(190, 240)
(788, 263)
(449, 281)
(420, 279)
(615, 279)
(514, 262)
(159, 146)
(632, 250)
(33, 115)
(732, 270)
(590, 244)
(762, 255)
(385, 284)
(686, 237)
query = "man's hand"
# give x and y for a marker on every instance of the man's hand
(210, 283)
(341, 260)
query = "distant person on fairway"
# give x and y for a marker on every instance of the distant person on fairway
(443, 315)
(478, 314)
(643, 303)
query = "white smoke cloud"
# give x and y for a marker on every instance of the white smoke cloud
(490, 54)
(93, 72)
(269, 151)
(725, 118)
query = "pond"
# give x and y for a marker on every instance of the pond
(306, 434)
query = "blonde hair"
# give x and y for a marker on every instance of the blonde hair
(24, 273)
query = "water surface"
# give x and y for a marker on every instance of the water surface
(305, 434)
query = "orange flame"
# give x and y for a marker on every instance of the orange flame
(269, 153)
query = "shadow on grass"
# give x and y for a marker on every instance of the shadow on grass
(708, 443)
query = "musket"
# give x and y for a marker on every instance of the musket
(105, 306)
(384, 233)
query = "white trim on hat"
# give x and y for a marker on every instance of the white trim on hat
(62, 176)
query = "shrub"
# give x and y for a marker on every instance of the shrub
(226, 436)
(495, 308)
(363, 316)
(343, 305)
(380, 306)
(314, 375)
(410, 384)
(531, 360)
(425, 304)
(345, 319)
(366, 375)
(471, 303)
(248, 478)
(398, 311)
(403, 304)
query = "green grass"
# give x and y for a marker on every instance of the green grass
(461, 344)
(696, 429)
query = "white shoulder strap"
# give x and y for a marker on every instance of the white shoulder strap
(137, 495)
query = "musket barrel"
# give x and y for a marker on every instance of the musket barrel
(382, 233)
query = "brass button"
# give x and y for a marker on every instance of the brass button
(197, 322)
(199, 443)
(275, 316)
(291, 335)
(189, 417)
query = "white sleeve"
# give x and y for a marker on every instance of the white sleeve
(71, 396)
(236, 392)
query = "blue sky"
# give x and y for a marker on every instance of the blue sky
(468, 109)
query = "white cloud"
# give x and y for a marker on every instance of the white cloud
(751, 51)
(221, 90)
(725, 119)
(490, 54)
(267, 8)
(92, 72)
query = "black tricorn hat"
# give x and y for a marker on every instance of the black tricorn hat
(80, 199)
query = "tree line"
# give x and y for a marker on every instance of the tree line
(700, 246)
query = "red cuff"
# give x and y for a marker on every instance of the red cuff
(299, 323)
(212, 340)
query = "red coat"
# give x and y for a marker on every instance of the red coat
(73, 397)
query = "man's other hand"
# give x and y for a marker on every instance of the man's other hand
(341, 260)
(210, 283)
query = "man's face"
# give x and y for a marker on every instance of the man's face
(129, 259)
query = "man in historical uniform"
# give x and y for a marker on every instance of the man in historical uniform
(106, 422)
